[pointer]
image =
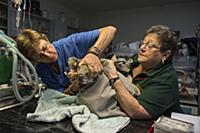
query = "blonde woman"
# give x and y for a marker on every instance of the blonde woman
(51, 58)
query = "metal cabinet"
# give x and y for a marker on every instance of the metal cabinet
(27, 20)
(186, 66)
(4, 15)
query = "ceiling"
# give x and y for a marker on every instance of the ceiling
(94, 6)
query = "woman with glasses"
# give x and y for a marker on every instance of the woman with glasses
(51, 58)
(154, 75)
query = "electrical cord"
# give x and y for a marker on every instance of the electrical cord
(10, 45)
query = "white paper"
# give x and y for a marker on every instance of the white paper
(188, 118)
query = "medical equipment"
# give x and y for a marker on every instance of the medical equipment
(17, 4)
(169, 125)
(197, 65)
(21, 11)
(19, 81)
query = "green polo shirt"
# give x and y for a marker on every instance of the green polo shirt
(159, 90)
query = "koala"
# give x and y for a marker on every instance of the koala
(123, 65)
(79, 76)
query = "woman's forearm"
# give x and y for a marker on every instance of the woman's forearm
(129, 103)
(106, 35)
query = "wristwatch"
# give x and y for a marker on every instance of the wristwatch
(113, 80)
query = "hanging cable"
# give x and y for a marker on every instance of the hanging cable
(18, 15)
(10, 44)
(29, 14)
(24, 14)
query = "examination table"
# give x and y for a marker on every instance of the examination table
(14, 121)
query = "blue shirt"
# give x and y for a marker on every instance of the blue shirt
(75, 45)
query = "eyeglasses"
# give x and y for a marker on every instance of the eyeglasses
(149, 45)
(41, 51)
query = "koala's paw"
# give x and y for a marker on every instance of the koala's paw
(73, 88)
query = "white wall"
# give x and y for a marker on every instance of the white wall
(133, 23)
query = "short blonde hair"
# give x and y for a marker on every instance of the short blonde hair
(27, 42)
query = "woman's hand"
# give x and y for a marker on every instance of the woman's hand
(110, 69)
(94, 64)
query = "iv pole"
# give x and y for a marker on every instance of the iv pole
(197, 67)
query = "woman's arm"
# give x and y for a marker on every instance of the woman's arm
(106, 35)
(127, 101)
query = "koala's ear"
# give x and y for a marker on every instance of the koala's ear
(114, 58)
(73, 62)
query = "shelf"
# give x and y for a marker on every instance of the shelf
(188, 100)
(192, 110)
(187, 91)
(32, 15)
(73, 28)
(3, 27)
(38, 16)
(3, 17)
(3, 3)
(184, 63)
(37, 22)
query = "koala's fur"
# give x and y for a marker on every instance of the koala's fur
(79, 76)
